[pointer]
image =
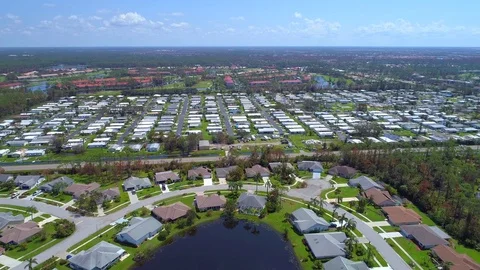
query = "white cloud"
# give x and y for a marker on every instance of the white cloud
(238, 18)
(128, 19)
(297, 15)
(73, 17)
(58, 17)
(14, 18)
(49, 5)
(26, 32)
(230, 30)
(177, 14)
(95, 18)
(405, 27)
(180, 25)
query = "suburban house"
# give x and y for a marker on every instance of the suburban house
(380, 198)
(136, 183)
(326, 245)
(399, 215)
(197, 172)
(138, 230)
(341, 263)
(306, 221)
(252, 204)
(8, 219)
(163, 177)
(170, 212)
(203, 145)
(63, 181)
(212, 202)
(342, 171)
(99, 257)
(28, 181)
(274, 165)
(311, 166)
(109, 194)
(222, 173)
(423, 235)
(19, 233)
(77, 190)
(257, 169)
(5, 178)
(459, 261)
(365, 183)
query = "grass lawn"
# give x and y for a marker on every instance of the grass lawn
(373, 213)
(2, 78)
(420, 256)
(35, 246)
(377, 255)
(19, 210)
(205, 134)
(404, 132)
(324, 192)
(340, 180)
(61, 197)
(152, 191)
(305, 174)
(38, 219)
(425, 219)
(386, 229)
(474, 254)
(203, 84)
(345, 192)
(298, 140)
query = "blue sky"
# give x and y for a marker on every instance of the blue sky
(240, 23)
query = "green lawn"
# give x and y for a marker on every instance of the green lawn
(38, 219)
(474, 254)
(340, 180)
(61, 197)
(345, 192)
(35, 246)
(425, 219)
(203, 84)
(420, 256)
(404, 132)
(386, 229)
(19, 210)
(2, 78)
(298, 140)
(154, 190)
(324, 192)
(373, 213)
(305, 174)
(377, 255)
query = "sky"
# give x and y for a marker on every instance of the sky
(74, 23)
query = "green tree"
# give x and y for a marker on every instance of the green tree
(30, 263)
(317, 265)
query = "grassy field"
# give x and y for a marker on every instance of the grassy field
(340, 180)
(19, 210)
(154, 190)
(298, 140)
(345, 192)
(2, 78)
(386, 229)
(425, 219)
(404, 132)
(420, 256)
(203, 84)
(474, 254)
(61, 197)
(304, 174)
(174, 85)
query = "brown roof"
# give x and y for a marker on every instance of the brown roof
(171, 212)
(164, 176)
(257, 169)
(459, 261)
(78, 189)
(399, 215)
(199, 171)
(378, 196)
(342, 170)
(424, 235)
(213, 200)
(20, 232)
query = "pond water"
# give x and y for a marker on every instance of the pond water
(321, 82)
(213, 246)
(42, 86)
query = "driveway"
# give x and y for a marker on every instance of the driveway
(391, 235)
(316, 175)
(378, 223)
(222, 181)
(313, 189)
(133, 197)
(9, 262)
(207, 182)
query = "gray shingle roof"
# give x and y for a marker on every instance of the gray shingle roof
(139, 227)
(223, 172)
(27, 180)
(326, 245)
(5, 177)
(97, 257)
(309, 165)
(248, 200)
(7, 218)
(341, 263)
(49, 186)
(136, 183)
(305, 219)
(365, 183)
(164, 176)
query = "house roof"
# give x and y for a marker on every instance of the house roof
(64, 179)
(78, 189)
(139, 227)
(28, 180)
(309, 165)
(423, 235)
(136, 182)
(97, 257)
(342, 170)
(5, 177)
(213, 200)
(172, 211)
(274, 165)
(378, 196)
(365, 183)
(306, 218)
(459, 261)
(164, 176)
(248, 200)
(401, 215)
(341, 263)
(7, 218)
(199, 171)
(19, 232)
(111, 193)
(257, 169)
(223, 172)
(326, 245)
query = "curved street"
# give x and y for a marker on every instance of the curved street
(89, 225)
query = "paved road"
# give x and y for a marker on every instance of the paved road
(226, 119)
(267, 116)
(89, 225)
(37, 167)
(135, 123)
(181, 117)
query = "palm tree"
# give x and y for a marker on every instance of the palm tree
(334, 214)
(351, 224)
(268, 185)
(30, 263)
(343, 220)
(257, 179)
(351, 243)
(314, 202)
(31, 210)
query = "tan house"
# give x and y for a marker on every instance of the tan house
(170, 212)
(76, 190)
(212, 202)
(19, 233)
(399, 215)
